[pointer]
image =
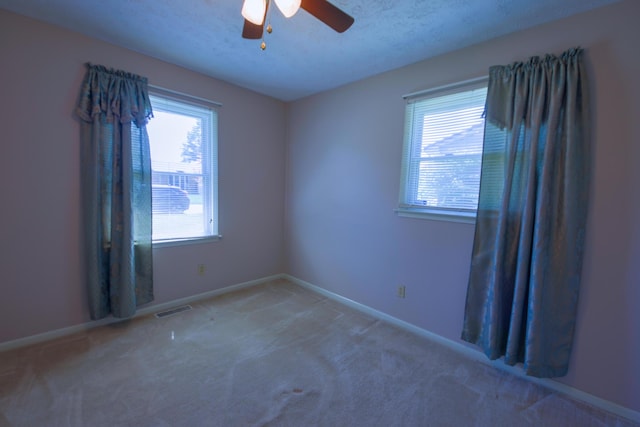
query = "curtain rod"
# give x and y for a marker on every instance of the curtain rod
(183, 95)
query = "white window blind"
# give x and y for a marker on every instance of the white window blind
(183, 140)
(443, 150)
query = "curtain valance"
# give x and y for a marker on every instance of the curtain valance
(514, 84)
(119, 95)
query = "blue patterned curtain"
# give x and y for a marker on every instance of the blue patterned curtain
(530, 229)
(114, 108)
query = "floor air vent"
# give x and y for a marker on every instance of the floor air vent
(173, 311)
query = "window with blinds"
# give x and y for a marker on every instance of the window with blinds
(183, 140)
(443, 151)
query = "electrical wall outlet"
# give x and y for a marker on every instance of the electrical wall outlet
(401, 291)
(201, 269)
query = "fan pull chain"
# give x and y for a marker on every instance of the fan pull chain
(263, 45)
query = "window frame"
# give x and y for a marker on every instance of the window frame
(210, 152)
(432, 213)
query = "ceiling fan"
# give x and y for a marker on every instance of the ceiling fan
(255, 12)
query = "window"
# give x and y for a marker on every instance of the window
(443, 152)
(183, 139)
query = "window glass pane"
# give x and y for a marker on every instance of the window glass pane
(182, 140)
(443, 150)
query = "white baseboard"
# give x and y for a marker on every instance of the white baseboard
(474, 354)
(147, 309)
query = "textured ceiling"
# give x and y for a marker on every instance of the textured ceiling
(303, 56)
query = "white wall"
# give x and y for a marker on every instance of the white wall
(41, 277)
(343, 161)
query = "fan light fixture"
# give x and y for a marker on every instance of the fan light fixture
(255, 10)
(288, 7)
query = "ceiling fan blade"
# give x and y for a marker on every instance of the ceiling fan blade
(251, 30)
(328, 13)
(254, 31)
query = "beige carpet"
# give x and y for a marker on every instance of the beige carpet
(272, 355)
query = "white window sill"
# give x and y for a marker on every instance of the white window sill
(437, 215)
(186, 241)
